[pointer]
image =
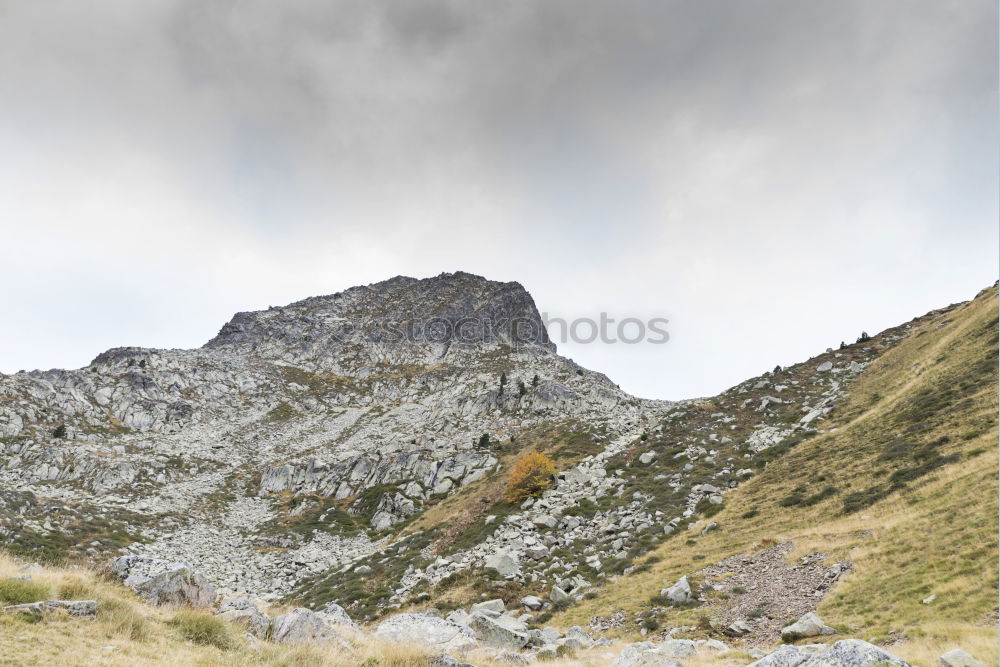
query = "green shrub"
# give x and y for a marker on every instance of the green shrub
(20, 591)
(123, 619)
(200, 628)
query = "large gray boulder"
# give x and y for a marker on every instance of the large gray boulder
(809, 625)
(531, 602)
(500, 631)
(302, 625)
(845, 653)
(956, 657)
(676, 648)
(244, 612)
(502, 563)
(644, 654)
(437, 632)
(679, 592)
(163, 582)
(337, 615)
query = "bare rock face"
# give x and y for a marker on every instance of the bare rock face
(404, 317)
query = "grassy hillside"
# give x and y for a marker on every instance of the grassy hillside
(904, 486)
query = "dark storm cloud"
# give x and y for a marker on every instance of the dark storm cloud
(800, 165)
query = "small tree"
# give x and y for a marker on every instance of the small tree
(531, 475)
(484, 441)
(521, 389)
(842, 345)
(777, 369)
(864, 337)
(60, 431)
(503, 382)
(534, 381)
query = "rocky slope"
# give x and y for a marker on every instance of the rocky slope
(371, 402)
(354, 449)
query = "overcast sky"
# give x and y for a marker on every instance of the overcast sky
(771, 176)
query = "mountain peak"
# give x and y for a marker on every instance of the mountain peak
(428, 315)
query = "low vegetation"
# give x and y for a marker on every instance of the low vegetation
(531, 475)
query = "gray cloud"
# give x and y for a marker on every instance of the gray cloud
(772, 175)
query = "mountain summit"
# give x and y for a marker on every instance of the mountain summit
(391, 321)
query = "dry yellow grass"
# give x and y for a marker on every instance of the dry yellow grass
(129, 632)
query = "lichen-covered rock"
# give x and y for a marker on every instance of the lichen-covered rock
(437, 632)
(302, 625)
(500, 631)
(679, 592)
(809, 625)
(956, 657)
(644, 654)
(245, 613)
(844, 653)
(337, 615)
(79, 608)
(162, 582)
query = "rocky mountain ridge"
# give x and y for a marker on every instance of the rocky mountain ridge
(367, 432)
(324, 396)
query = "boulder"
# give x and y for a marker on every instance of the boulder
(809, 625)
(335, 614)
(302, 625)
(676, 648)
(245, 613)
(647, 458)
(36, 609)
(644, 654)
(531, 602)
(956, 657)
(679, 592)
(545, 521)
(581, 635)
(847, 652)
(163, 582)
(80, 608)
(445, 660)
(501, 631)
(502, 563)
(559, 595)
(825, 366)
(495, 606)
(459, 616)
(738, 628)
(437, 632)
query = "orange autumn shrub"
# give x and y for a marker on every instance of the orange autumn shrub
(531, 475)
